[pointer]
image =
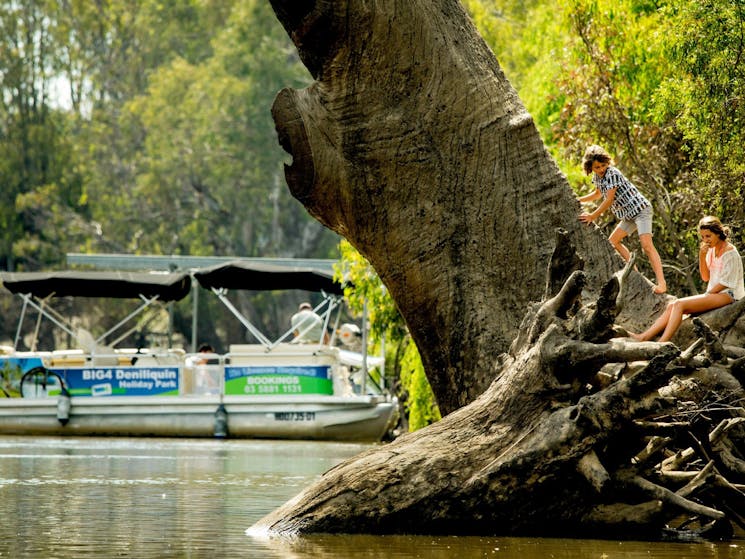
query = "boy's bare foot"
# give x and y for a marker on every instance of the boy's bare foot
(637, 337)
(660, 288)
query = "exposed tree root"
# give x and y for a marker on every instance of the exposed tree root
(582, 434)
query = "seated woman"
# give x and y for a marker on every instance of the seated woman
(720, 266)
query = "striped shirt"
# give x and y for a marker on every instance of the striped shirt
(628, 201)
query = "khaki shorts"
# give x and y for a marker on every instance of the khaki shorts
(641, 222)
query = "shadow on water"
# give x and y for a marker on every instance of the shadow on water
(156, 498)
(394, 547)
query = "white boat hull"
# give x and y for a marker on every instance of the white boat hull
(357, 418)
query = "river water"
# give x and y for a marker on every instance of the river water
(72, 498)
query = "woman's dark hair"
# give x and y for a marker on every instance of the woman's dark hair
(712, 223)
(594, 153)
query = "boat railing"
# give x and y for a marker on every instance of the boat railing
(111, 358)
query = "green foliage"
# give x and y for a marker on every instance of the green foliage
(656, 82)
(365, 287)
(208, 130)
(158, 114)
(703, 92)
(41, 183)
(367, 292)
(420, 400)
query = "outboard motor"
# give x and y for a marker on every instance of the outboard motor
(221, 422)
(63, 406)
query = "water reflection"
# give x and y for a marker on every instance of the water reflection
(156, 498)
(147, 498)
(408, 547)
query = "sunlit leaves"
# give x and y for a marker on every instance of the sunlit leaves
(656, 82)
(367, 292)
(705, 90)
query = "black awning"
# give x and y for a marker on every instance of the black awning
(121, 285)
(267, 277)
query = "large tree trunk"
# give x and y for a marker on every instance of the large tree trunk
(412, 144)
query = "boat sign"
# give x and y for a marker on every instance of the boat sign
(278, 380)
(121, 381)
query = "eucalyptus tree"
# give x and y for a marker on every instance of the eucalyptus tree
(209, 177)
(41, 184)
(703, 92)
(117, 48)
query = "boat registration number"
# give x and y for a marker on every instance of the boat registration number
(295, 416)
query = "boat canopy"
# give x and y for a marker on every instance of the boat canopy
(267, 277)
(123, 285)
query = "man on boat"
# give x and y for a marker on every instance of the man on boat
(308, 326)
(205, 379)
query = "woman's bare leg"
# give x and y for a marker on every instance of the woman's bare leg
(669, 321)
(693, 304)
(657, 326)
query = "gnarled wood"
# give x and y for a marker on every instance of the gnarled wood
(412, 144)
(514, 463)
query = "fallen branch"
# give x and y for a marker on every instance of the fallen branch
(564, 261)
(593, 471)
(677, 476)
(667, 496)
(655, 445)
(697, 482)
(558, 306)
(714, 349)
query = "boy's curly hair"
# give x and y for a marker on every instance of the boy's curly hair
(592, 154)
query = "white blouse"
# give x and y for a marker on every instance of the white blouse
(726, 270)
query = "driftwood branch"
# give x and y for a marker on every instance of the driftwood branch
(654, 446)
(690, 353)
(623, 283)
(671, 498)
(584, 355)
(714, 349)
(558, 306)
(599, 326)
(593, 471)
(698, 481)
(564, 261)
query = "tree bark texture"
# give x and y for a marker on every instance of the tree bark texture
(412, 144)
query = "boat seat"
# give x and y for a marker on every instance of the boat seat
(68, 358)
